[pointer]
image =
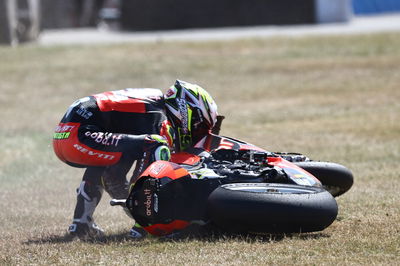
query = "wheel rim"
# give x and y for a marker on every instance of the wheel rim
(270, 188)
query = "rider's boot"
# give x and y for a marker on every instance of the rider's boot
(83, 225)
(137, 232)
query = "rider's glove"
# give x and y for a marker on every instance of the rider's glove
(156, 147)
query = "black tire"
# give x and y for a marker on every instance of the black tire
(335, 178)
(271, 208)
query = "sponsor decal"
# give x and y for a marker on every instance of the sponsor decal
(76, 103)
(157, 168)
(170, 92)
(155, 202)
(63, 128)
(299, 177)
(142, 163)
(147, 203)
(62, 132)
(84, 113)
(184, 113)
(104, 138)
(92, 153)
(61, 135)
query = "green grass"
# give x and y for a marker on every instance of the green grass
(332, 98)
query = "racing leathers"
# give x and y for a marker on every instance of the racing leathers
(106, 133)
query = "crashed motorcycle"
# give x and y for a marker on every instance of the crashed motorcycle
(238, 188)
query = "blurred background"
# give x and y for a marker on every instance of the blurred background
(24, 20)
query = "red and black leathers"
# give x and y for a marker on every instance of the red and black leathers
(106, 133)
(98, 130)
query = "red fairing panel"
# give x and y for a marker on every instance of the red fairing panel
(298, 175)
(166, 229)
(160, 169)
(185, 158)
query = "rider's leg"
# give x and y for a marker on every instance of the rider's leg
(114, 178)
(115, 182)
(107, 149)
(88, 196)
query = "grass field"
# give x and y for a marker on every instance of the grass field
(332, 98)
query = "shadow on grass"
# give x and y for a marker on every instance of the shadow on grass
(212, 234)
(248, 238)
(59, 239)
(205, 236)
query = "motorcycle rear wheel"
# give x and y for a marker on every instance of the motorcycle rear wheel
(271, 208)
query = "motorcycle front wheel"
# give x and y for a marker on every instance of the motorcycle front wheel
(271, 208)
(335, 178)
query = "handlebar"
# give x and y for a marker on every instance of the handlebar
(120, 202)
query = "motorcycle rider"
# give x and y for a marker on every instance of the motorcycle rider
(107, 132)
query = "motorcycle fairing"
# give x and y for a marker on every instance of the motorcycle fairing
(298, 175)
(161, 169)
(185, 158)
(215, 142)
(166, 198)
(166, 229)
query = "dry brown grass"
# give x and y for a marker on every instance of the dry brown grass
(333, 98)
